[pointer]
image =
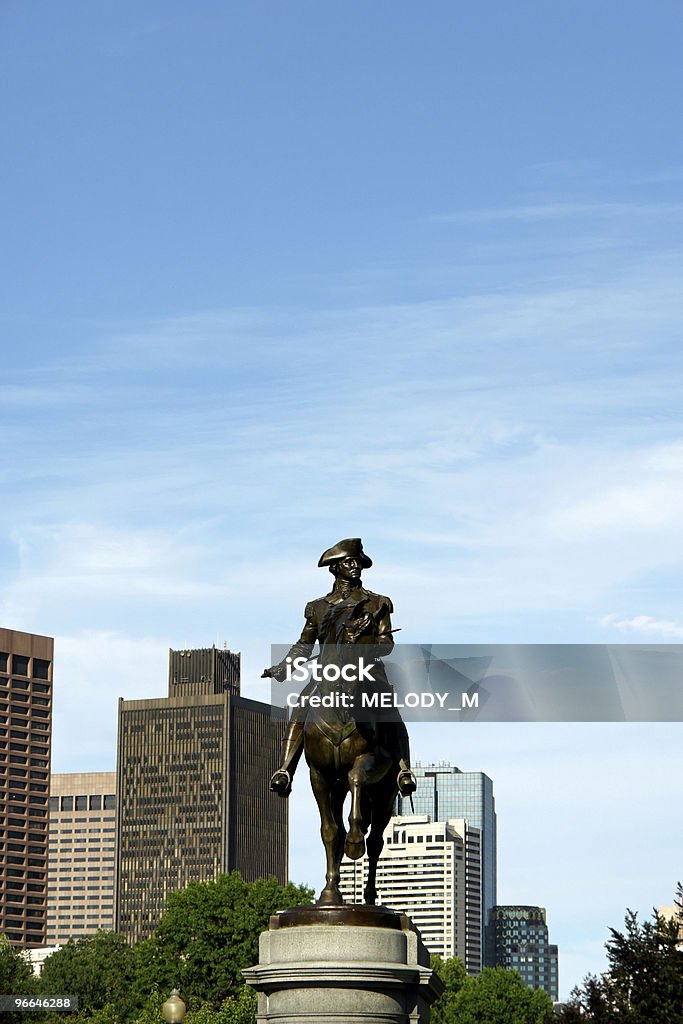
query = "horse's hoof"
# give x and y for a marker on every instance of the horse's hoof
(330, 897)
(354, 848)
(370, 897)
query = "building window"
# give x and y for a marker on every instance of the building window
(41, 669)
(95, 803)
(81, 803)
(67, 803)
(19, 664)
(110, 803)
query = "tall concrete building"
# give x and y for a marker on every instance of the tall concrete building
(522, 944)
(82, 852)
(192, 785)
(25, 726)
(444, 792)
(430, 870)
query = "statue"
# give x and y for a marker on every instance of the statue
(346, 750)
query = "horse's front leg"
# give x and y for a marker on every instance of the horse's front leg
(375, 847)
(382, 808)
(358, 778)
(330, 832)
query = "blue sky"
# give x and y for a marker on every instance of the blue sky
(276, 274)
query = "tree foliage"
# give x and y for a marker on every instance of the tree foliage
(240, 1009)
(644, 980)
(99, 969)
(499, 996)
(495, 996)
(16, 976)
(453, 974)
(16, 973)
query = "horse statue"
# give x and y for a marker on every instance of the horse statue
(346, 752)
(346, 755)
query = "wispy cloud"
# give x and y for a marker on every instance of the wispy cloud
(645, 625)
(641, 493)
(624, 211)
(535, 434)
(92, 669)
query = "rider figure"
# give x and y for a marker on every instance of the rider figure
(348, 615)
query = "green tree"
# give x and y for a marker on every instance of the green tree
(646, 970)
(16, 973)
(208, 934)
(644, 980)
(240, 1009)
(495, 996)
(107, 1014)
(591, 1002)
(16, 976)
(151, 1011)
(99, 969)
(499, 996)
(454, 976)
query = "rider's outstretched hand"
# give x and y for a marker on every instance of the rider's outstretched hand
(278, 672)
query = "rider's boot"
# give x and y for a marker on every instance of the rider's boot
(406, 781)
(293, 745)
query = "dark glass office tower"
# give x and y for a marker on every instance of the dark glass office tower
(522, 944)
(192, 787)
(444, 792)
(25, 722)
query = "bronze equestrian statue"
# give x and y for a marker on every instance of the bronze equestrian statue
(345, 750)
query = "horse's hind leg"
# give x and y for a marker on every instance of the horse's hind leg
(332, 840)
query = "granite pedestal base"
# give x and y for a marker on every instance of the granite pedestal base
(342, 965)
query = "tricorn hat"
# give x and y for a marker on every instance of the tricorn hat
(352, 547)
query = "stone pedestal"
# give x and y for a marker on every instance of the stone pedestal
(342, 965)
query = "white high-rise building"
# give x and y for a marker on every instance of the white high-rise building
(431, 871)
(445, 792)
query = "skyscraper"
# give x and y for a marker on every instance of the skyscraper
(25, 723)
(80, 890)
(192, 786)
(431, 871)
(522, 944)
(444, 792)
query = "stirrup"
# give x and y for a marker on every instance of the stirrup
(406, 782)
(281, 782)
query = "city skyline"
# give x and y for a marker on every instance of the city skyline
(308, 857)
(281, 275)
